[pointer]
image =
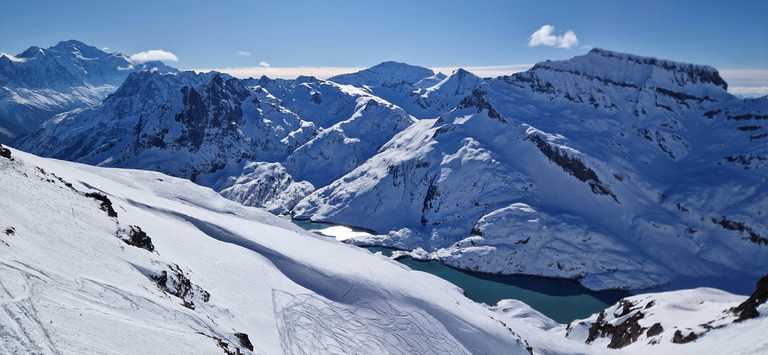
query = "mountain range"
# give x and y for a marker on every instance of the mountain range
(616, 170)
(40, 83)
(620, 171)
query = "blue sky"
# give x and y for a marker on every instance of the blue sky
(277, 35)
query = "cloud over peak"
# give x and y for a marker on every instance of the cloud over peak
(155, 54)
(544, 37)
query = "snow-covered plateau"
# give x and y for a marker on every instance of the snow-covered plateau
(101, 260)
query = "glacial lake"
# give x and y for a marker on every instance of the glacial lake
(559, 299)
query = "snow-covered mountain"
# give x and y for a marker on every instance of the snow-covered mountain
(418, 90)
(102, 257)
(40, 83)
(235, 136)
(602, 168)
(87, 133)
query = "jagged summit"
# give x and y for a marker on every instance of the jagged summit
(306, 79)
(31, 52)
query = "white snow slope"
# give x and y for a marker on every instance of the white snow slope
(70, 284)
(219, 277)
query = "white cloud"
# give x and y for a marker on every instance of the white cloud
(155, 54)
(244, 53)
(568, 40)
(745, 77)
(264, 64)
(544, 37)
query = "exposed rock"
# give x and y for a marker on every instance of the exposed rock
(138, 238)
(5, 152)
(177, 284)
(748, 309)
(621, 334)
(655, 330)
(106, 204)
(244, 341)
(678, 338)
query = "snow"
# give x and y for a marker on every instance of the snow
(44, 83)
(602, 168)
(82, 290)
(703, 311)
(13, 58)
(651, 211)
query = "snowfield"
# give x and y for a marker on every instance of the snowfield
(96, 258)
(71, 285)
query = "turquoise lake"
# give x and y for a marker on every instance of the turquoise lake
(559, 299)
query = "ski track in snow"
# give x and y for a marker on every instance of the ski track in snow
(312, 325)
(20, 327)
(32, 310)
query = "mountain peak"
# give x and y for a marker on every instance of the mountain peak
(31, 52)
(306, 79)
(461, 72)
(383, 73)
(71, 43)
(637, 70)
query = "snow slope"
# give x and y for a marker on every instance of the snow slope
(71, 285)
(96, 258)
(696, 321)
